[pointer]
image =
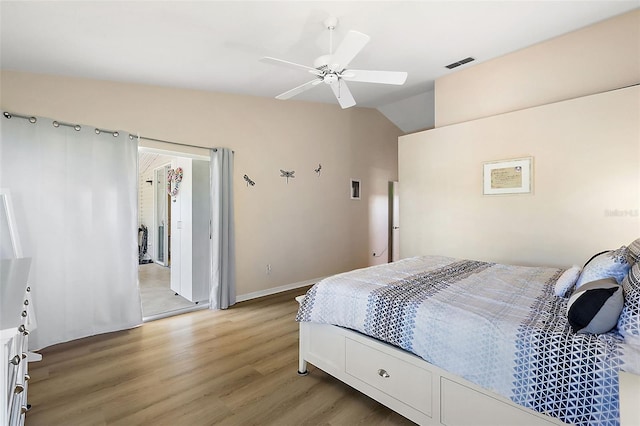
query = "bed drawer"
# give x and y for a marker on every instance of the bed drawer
(461, 403)
(393, 376)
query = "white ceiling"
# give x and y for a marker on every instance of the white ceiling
(216, 45)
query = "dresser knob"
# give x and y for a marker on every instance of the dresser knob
(15, 360)
(24, 409)
(24, 314)
(28, 289)
(18, 389)
(27, 377)
(26, 303)
(24, 355)
(383, 373)
(22, 329)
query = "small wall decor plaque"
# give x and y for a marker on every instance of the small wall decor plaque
(355, 189)
(508, 176)
(286, 174)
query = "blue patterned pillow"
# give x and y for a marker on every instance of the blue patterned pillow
(629, 321)
(608, 264)
(633, 252)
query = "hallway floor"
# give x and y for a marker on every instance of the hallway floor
(155, 291)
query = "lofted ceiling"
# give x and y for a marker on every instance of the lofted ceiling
(216, 45)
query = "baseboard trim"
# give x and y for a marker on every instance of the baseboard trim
(274, 290)
(198, 307)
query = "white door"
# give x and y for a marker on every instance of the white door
(395, 222)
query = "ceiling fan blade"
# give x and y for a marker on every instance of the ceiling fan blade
(343, 94)
(383, 77)
(297, 90)
(348, 49)
(280, 62)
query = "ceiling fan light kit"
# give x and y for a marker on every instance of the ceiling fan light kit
(332, 69)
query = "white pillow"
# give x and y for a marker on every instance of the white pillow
(567, 280)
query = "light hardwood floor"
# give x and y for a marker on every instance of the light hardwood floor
(232, 367)
(155, 291)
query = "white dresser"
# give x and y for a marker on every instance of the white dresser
(16, 321)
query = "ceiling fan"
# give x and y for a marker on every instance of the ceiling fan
(331, 69)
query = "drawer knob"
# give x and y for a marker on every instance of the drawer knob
(26, 303)
(383, 373)
(24, 409)
(24, 314)
(22, 329)
(18, 389)
(27, 377)
(28, 289)
(16, 360)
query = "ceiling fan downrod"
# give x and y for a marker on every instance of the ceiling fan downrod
(330, 23)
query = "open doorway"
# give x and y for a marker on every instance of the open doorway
(394, 222)
(174, 238)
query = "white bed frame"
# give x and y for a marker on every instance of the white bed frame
(406, 383)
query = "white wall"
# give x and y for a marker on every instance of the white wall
(305, 229)
(594, 59)
(586, 183)
(412, 114)
(542, 101)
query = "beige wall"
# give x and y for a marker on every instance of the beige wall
(595, 59)
(586, 183)
(305, 229)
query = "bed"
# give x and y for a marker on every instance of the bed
(454, 341)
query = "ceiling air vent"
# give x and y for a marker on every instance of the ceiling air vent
(460, 62)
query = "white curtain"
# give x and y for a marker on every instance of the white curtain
(75, 200)
(223, 268)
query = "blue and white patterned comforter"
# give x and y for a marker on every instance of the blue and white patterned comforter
(499, 326)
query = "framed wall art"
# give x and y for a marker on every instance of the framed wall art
(513, 176)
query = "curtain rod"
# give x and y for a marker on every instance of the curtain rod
(176, 143)
(55, 123)
(98, 131)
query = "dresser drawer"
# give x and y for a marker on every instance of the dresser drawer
(393, 376)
